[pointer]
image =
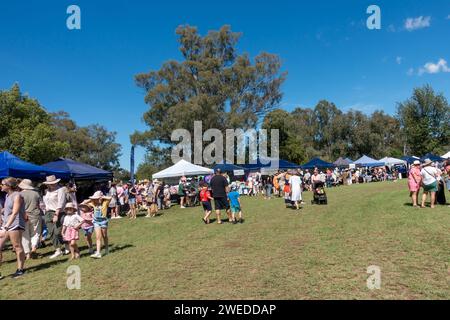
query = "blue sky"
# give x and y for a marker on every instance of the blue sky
(325, 46)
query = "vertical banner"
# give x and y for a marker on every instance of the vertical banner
(132, 165)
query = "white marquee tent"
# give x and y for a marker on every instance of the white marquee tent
(182, 168)
(392, 161)
(446, 156)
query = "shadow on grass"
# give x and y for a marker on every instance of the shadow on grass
(212, 221)
(51, 263)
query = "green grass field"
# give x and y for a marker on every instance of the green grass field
(320, 253)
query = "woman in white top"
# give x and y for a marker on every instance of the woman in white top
(429, 182)
(296, 189)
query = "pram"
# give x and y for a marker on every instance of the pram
(319, 194)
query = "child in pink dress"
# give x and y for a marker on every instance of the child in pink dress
(87, 214)
(71, 225)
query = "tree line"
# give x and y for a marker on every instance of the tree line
(215, 84)
(30, 132)
(420, 125)
(225, 89)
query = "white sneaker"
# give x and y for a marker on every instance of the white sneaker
(183, 207)
(66, 252)
(96, 256)
(57, 254)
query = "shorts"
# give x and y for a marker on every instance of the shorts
(131, 200)
(101, 224)
(235, 209)
(207, 206)
(448, 184)
(88, 231)
(221, 203)
(431, 187)
(16, 228)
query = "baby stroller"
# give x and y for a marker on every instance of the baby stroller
(320, 196)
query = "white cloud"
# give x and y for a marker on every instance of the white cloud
(399, 60)
(432, 68)
(412, 24)
(410, 72)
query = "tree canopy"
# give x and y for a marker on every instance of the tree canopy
(329, 133)
(425, 121)
(33, 134)
(213, 83)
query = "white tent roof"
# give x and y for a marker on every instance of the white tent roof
(182, 168)
(392, 161)
(446, 156)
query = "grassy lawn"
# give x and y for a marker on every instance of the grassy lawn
(320, 253)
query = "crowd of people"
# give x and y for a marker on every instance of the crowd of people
(432, 178)
(30, 215)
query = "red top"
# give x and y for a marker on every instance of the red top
(205, 195)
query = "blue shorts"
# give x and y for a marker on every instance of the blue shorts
(132, 201)
(88, 231)
(101, 224)
(207, 206)
(235, 209)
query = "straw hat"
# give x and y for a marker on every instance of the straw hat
(97, 195)
(84, 205)
(26, 184)
(70, 206)
(427, 163)
(51, 180)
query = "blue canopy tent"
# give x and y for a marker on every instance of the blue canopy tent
(349, 160)
(366, 161)
(282, 165)
(79, 171)
(410, 159)
(225, 167)
(318, 163)
(12, 166)
(432, 157)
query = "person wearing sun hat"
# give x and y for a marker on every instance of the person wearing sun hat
(429, 182)
(55, 201)
(87, 214)
(33, 223)
(414, 183)
(100, 203)
(71, 225)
